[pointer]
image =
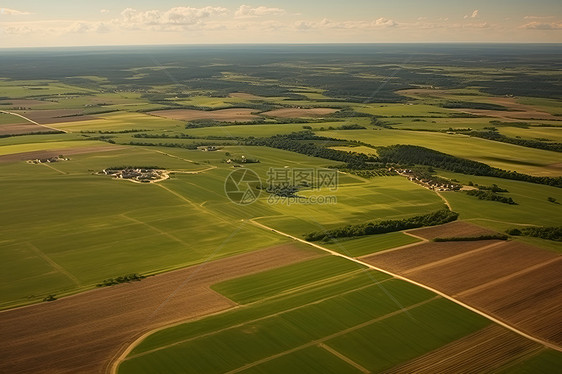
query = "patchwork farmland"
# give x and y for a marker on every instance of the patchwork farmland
(436, 249)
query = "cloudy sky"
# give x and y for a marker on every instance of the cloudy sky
(31, 23)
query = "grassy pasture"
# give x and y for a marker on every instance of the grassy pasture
(121, 121)
(378, 198)
(263, 285)
(246, 130)
(534, 133)
(275, 333)
(314, 359)
(401, 110)
(501, 155)
(118, 226)
(385, 344)
(532, 208)
(45, 146)
(20, 89)
(370, 244)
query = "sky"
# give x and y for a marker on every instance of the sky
(33, 23)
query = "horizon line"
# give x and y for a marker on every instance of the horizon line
(282, 44)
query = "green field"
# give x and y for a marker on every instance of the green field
(370, 244)
(66, 226)
(306, 313)
(501, 155)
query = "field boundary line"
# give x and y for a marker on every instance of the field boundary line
(332, 336)
(343, 358)
(452, 258)
(409, 232)
(448, 297)
(498, 221)
(53, 264)
(423, 241)
(54, 168)
(317, 283)
(32, 121)
(444, 200)
(507, 277)
(431, 367)
(156, 229)
(194, 205)
(169, 155)
(238, 306)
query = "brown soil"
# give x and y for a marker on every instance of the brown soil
(300, 112)
(22, 128)
(512, 281)
(227, 115)
(530, 300)
(83, 333)
(452, 229)
(483, 351)
(401, 260)
(484, 266)
(23, 156)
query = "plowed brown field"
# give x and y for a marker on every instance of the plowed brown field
(21, 128)
(452, 229)
(512, 281)
(531, 299)
(427, 253)
(483, 351)
(83, 333)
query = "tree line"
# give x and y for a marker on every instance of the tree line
(412, 154)
(435, 218)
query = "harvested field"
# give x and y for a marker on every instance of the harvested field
(46, 117)
(21, 128)
(531, 300)
(483, 351)
(23, 156)
(227, 115)
(452, 229)
(300, 112)
(418, 255)
(479, 268)
(83, 333)
(246, 96)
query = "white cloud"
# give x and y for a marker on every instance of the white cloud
(172, 19)
(385, 22)
(473, 15)
(543, 26)
(85, 27)
(246, 11)
(346, 25)
(104, 11)
(12, 12)
(537, 17)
